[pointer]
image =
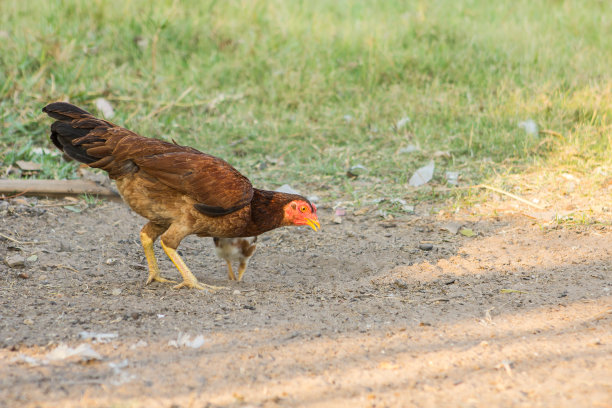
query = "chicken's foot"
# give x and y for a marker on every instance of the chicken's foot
(147, 245)
(189, 280)
(241, 270)
(230, 272)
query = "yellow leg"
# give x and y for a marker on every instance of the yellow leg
(241, 270)
(230, 272)
(147, 244)
(189, 281)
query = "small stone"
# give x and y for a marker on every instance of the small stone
(236, 292)
(409, 149)
(64, 247)
(337, 220)
(286, 188)
(138, 266)
(111, 261)
(530, 127)
(400, 283)
(452, 177)
(116, 292)
(426, 247)
(105, 107)
(402, 122)
(29, 322)
(140, 343)
(32, 258)
(15, 261)
(23, 275)
(28, 165)
(452, 227)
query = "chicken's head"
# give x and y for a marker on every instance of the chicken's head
(302, 212)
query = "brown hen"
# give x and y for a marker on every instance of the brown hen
(180, 190)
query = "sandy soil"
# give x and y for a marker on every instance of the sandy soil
(354, 316)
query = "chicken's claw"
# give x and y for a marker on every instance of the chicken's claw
(198, 285)
(158, 278)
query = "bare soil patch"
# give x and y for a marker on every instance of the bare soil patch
(357, 315)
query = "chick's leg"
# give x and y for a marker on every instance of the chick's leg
(230, 271)
(148, 235)
(169, 242)
(242, 269)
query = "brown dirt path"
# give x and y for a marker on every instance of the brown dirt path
(355, 316)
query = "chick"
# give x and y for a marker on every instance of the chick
(235, 250)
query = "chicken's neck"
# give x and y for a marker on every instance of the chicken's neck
(267, 210)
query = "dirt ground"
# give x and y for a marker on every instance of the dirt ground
(354, 316)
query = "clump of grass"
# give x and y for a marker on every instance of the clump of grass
(91, 200)
(52, 166)
(312, 88)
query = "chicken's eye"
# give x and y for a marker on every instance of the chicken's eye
(303, 208)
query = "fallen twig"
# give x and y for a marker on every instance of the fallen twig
(170, 104)
(62, 266)
(22, 242)
(551, 132)
(500, 191)
(601, 315)
(3, 197)
(497, 190)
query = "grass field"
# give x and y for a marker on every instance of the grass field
(297, 92)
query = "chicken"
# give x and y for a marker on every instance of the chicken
(235, 250)
(180, 190)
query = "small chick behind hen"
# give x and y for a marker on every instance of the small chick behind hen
(235, 250)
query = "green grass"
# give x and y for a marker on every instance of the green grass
(314, 87)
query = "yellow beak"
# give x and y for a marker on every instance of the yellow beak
(313, 223)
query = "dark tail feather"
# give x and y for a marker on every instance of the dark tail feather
(65, 111)
(74, 123)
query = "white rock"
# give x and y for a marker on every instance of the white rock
(139, 344)
(62, 352)
(14, 261)
(452, 177)
(530, 127)
(422, 175)
(286, 188)
(98, 337)
(402, 122)
(409, 149)
(184, 340)
(105, 107)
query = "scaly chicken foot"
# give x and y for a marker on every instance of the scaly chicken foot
(241, 270)
(147, 245)
(230, 272)
(189, 280)
(153, 277)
